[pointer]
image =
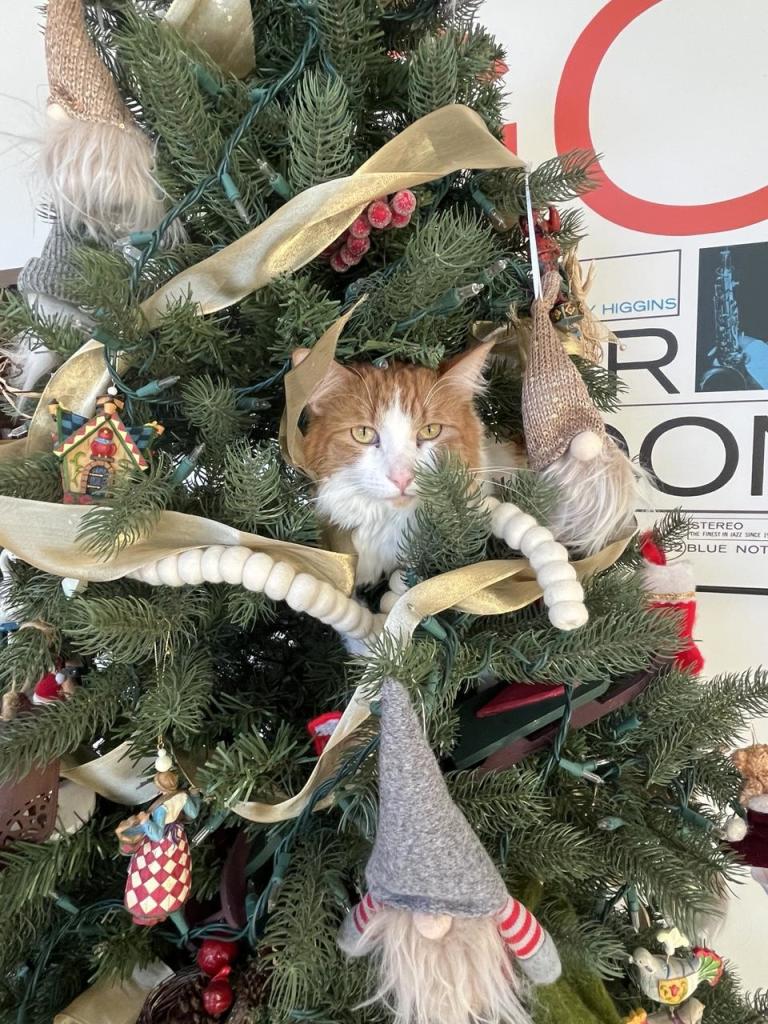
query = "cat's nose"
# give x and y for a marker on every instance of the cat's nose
(401, 478)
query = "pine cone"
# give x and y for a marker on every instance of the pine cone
(249, 994)
(177, 1001)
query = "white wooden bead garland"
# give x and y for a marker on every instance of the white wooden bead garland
(260, 573)
(562, 593)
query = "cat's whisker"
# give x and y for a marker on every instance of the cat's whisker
(361, 376)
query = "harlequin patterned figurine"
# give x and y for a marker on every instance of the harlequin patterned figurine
(92, 451)
(159, 875)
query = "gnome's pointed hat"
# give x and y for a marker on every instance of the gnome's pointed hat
(77, 78)
(556, 403)
(426, 857)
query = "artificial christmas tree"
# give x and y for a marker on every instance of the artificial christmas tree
(216, 609)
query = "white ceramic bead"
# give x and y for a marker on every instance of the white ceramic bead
(517, 528)
(279, 581)
(566, 590)
(324, 602)
(388, 601)
(303, 592)
(555, 572)
(168, 571)
(209, 564)
(256, 570)
(503, 513)
(189, 566)
(396, 582)
(163, 763)
(232, 562)
(533, 537)
(568, 615)
(546, 553)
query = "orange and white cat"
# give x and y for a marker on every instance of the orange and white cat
(370, 429)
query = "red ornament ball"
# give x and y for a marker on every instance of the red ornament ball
(379, 214)
(360, 228)
(218, 998)
(403, 202)
(400, 220)
(337, 262)
(357, 246)
(215, 954)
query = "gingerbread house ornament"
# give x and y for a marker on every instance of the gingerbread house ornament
(94, 450)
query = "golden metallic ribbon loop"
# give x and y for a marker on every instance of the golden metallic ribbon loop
(222, 28)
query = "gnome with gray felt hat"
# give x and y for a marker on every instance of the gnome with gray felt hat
(447, 937)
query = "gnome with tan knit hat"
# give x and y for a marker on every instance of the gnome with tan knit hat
(567, 443)
(97, 163)
(447, 936)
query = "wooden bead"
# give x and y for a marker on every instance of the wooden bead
(351, 619)
(279, 581)
(545, 553)
(503, 513)
(555, 572)
(388, 601)
(517, 528)
(337, 611)
(365, 628)
(303, 592)
(168, 571)
(490, 503)
(396, 583)
(568, 615)
(190, 570)
(532, 538)
(256, 570)
(324, 602)
(231, 563)
(209, 563)
(566, 590)
(148, 574)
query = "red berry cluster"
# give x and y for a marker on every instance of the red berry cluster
(393, 212)
(215, 958)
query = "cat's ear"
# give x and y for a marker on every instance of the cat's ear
(465, 371)
(336, 378)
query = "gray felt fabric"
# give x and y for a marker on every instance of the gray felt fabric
(50, 272)
(426, 857)
(543, 967)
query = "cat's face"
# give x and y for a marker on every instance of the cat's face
(370, 428)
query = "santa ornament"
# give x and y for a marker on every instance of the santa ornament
(447, 937)
(672, 586)
(567, 442)
(97, 163)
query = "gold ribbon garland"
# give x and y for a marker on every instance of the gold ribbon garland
(221, 28)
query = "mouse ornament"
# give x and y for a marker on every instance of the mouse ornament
(447, 938)
(567, 442)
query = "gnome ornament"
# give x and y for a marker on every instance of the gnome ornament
(567, 442)
(437, 918)
(97, 163)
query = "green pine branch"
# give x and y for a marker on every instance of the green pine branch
(320, 130)
(176, 701)
(34, 477)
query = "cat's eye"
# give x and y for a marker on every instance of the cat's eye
(364, 435)
(430, 432)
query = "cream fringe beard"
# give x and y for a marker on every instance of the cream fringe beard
(597, 499)
(466, 977)
(100, 180)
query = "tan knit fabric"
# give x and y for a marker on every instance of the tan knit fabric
(556, 403)
(78, 80)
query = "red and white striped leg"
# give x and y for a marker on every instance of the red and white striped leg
(355, 923)
(529, 942)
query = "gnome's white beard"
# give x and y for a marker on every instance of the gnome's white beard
(100, 179)
(466, 977)
(597, 499)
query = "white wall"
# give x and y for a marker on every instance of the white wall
(23, 93)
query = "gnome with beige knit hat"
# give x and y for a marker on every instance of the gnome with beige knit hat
(448, 939)
(98, 164)
(567, 442)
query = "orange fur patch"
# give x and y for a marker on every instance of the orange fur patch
(360, 394)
